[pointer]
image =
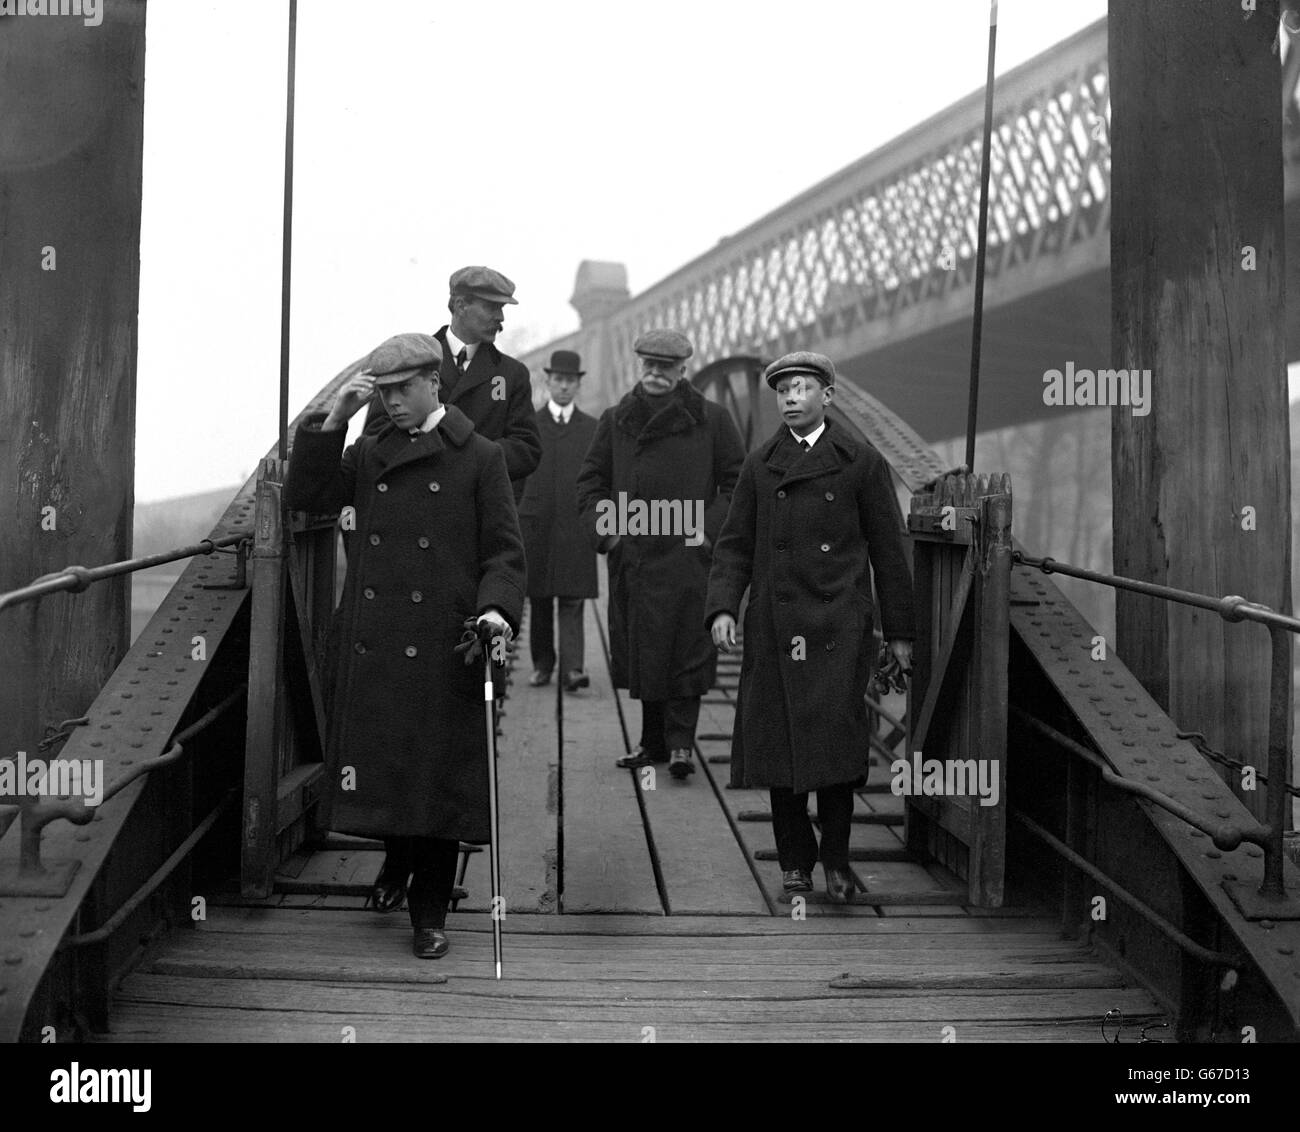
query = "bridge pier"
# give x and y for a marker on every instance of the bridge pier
(1200, 484)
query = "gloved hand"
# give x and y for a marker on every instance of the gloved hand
(479, 632)
(891, 673)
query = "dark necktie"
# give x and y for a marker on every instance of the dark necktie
(462, 360)
(805, 445)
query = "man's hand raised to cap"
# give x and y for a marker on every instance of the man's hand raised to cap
(354, 396)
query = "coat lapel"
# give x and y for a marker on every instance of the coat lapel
(791, 464)
(394, 447)
(482, 368)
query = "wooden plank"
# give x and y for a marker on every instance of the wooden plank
(146, 1023)
(255, 920)
(528, 790)
(607, 864)
(703, 867)
(265, 732)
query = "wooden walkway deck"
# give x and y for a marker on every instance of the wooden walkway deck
(636, 910)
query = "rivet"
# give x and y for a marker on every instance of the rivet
(1214, 853)
(1267, 925)
(13, 960)
(1139, 758)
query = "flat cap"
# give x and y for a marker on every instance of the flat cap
(667, 345)
(801, 362)
(396, 358)
(483, 283)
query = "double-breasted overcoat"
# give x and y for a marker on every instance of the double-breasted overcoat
(805, 532)
(675, 447)
(561, 561)
(437, 541)
(496, 394)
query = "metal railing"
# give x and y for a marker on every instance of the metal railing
(74, 579)
(1231, 608)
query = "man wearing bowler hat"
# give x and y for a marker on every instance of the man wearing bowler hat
(491, 388)
(813, 517)
(666, 451)
(561, 561)
(436, 545)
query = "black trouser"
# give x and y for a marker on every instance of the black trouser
(669, 725)
(796, 844)
(541, 633)
(432, 860)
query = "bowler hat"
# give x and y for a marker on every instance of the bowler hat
(565, 361)
(664, 344)
(483, 283)
(398, 357)
(801, 362)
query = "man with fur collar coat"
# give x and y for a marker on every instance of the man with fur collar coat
(655, 487)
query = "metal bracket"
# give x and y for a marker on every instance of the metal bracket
(1254, 905)
(54, 879)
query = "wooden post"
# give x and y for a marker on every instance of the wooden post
(1201, 484)
(70, 182)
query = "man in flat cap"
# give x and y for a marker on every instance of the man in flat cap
(561, 561)
(436, 544)
(492, 389)
(655, 488)
(814, 515)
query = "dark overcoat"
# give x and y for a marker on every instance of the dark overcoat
(561, 561)
(436, 541)
(804, 534)
(676, 447)
(496, 394)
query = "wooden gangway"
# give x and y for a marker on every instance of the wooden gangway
(633, 914)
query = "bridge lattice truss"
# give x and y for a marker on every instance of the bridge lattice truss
(900, 227)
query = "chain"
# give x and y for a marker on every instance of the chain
(1210, 753)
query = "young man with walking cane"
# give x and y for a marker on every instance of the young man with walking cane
(436, 547)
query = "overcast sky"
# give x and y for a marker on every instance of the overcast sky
(525, 134)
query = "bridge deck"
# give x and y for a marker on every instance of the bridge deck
(627, 908)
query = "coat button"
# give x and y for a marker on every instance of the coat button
(780, 546)
(368, 592)
(784, 599)
(422, 543)
(410, 650)
(781, 494)
(381, 487)
(826, 548)
(433, 485)
(374, 540)
(830, 495)
(358, 647)
(826, 598)
(417, 596)
(830, 646)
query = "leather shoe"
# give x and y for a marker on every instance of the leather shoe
(796, 880)
(430, 943)
(641, 757)
(575, 680)
(388, 893)
(538, 678)
(840, 885)
(679, 764)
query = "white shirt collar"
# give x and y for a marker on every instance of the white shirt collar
(813, 436)
(560, 412)
(431, 421)
(456, 345)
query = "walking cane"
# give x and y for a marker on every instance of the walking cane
(494, 848)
